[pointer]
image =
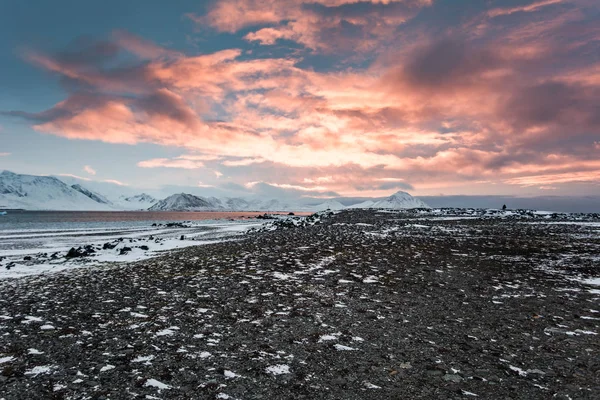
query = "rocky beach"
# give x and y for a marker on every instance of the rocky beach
(357, 304)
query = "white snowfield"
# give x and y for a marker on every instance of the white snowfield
(67, 193)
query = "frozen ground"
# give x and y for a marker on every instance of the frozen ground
(353, 305)
(36, 251)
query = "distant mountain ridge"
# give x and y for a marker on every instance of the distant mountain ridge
(70, 193)
(98, 198)
(141, 198)
(183, 202)
(32, 192)
(399, 200)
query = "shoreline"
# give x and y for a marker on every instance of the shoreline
(360, 305)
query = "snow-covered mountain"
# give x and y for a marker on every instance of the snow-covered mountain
(118, 197)
(141, 198)
(138, 202)
(43, 193)
(399, 200)
(328, 205)
(71, 193)
(110, 190)
(189, 202)
(185, 202)
(364, 204)
(97, 197)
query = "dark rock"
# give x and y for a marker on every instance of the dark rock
(452, 378)
(80, 252)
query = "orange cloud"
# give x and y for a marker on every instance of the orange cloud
(183, 162)
(446, 108)
(496, 12)
(317, 24)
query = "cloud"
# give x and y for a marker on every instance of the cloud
(76, 177)
(89, 170)
(4, 154)
(526, 8)
(270, 190)
(116, 182)
(324, 25)
(504, 100)
(243, 162)
(183, 162)
(569, 177)
(204, 185)
(141, 47)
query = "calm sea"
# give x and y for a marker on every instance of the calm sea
(60, 220)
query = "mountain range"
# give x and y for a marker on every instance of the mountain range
(31, 192)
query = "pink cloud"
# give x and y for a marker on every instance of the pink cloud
(526, 8)
(317, 24)
(89, 170)
(141, 47)
(182, 162)
(444, 109)
(116, 182)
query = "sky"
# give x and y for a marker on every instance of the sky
(320, 98)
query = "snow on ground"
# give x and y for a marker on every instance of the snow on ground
(359, 305)
(25, 252)
(278, 369)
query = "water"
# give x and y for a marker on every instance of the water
(62, 220)
(36, 230)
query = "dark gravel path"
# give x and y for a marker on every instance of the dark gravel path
(365, 305)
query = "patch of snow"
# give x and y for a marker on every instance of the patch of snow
(341, 347)
(518, 370)
(333, 336)
(278, 369)
(230, 374)
(143, 359)
(29, 319)
(157, 384)
(107, 367)
(170, 331)
(41, 369)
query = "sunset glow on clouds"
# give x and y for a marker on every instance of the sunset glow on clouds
(345, 96)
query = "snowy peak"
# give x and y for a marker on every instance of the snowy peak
(42, 193)
(400, 200)
(329, 205)
(185, 202)
(69, 193)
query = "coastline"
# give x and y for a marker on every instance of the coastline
(361, 305)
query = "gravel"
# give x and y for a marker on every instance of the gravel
(356, 305)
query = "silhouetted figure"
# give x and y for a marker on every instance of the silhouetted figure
(504, 207)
